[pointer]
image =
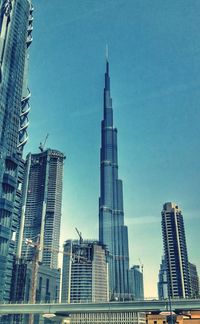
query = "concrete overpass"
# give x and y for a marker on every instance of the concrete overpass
(62, 309)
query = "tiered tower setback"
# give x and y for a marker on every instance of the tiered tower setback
(112, 231)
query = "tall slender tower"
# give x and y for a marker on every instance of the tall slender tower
(15, 39)
(175, 250)
(112, 231)
(42, 195)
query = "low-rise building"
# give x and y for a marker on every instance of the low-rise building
(107, 318)
(192, 317)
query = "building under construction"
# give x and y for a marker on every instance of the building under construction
(39, 227)
(85, 272)
(36, 277)
(42, 205)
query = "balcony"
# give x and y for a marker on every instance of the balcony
(4, 232)
(10, 180)
(13, 161)
(3, 262)
(6, 205)
(29, 40)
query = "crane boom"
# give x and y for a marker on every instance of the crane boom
(80, 235)
(42, 145)
(141, 264)
(35, 265)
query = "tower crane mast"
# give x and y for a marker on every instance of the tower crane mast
(35, 265)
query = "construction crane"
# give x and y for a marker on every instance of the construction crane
(80, 235)
(35, 266)
(141, 265)
(42, 145)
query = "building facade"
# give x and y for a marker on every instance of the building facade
(162, 281)
(48, 284)
(175, 251)
(112, 231)
(194, 280)
(47, 291)
(42, 198)
(107, 318)
(190, 317)
(136, 283)
(85, 272)
(15, 39)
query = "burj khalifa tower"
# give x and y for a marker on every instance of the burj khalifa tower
(112, 231)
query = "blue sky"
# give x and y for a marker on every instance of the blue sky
(154, 53)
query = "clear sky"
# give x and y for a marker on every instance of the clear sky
(154, 53)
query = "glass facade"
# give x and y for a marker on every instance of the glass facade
(15, 38)
(112, 231)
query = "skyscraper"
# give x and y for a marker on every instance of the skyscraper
(39, 231)
(112, 231)
(43, 202)
(85, 272)
(136, 283)
(175, 251)
(15, 39)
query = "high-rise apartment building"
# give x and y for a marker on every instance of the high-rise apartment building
(41, 212)
(175, 251)
(15, 39)
(112, 231)
(136, 283)
(85, 272)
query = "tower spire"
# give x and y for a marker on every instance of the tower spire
(106, 52)
(107, 62)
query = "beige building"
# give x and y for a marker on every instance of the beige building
(192, 317)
